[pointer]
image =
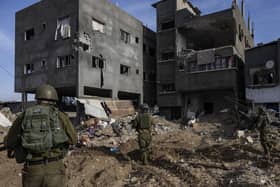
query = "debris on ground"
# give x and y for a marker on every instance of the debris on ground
(249, 139)
(240, 134)
(4, 121)
(8, 114)
(212, 149)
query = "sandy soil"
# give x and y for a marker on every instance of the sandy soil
(207, 154)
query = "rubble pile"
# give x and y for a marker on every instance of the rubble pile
(109, 134)
(211, 152)
(8, 114)
(6, 117)
(113, 133)
(161, 125)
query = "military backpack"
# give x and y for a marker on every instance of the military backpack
(144, 121)
(41, 129)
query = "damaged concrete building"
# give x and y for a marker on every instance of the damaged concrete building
(200, 58)
(262, 75)
(149, 66)
(84, 48)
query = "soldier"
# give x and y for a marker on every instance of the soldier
(40, 138)
(263, 125)
(142, 124)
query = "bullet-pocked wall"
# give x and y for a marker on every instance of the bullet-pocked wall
(43, 51)
(110, 56)
(83, 47)
(183, 32)
(262, 75)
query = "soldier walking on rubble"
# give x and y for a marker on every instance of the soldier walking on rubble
(142, 124)
(40, 138)
(263, 125)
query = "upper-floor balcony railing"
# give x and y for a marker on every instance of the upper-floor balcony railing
(191, 61)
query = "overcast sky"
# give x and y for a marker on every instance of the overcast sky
(265, 14)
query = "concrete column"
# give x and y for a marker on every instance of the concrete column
(234, 3)
(243, 8)
(23, 100)
(115, 94)
(249, 22)
(253, 30)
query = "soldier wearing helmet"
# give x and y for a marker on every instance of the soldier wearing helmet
(142, 123)
(40, 138)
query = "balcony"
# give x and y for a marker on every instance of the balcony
(209, 69)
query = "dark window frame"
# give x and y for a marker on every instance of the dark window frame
(63, 61)
(98, 62)
(125, 36)
(124, 69)
(28, 69)
(29, 34)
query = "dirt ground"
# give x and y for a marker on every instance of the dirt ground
(207, 154)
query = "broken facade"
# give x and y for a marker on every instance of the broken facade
(82, 48)
(149, 66)
(200, 57)
(262, 75)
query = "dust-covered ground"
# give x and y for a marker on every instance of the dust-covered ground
(207, 154)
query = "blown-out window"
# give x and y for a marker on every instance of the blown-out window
(29, 34)
(98, 26)
(28, 69)
(124, 70)
(63, 28)
(63, 61)
(98, 62)
(125, 36)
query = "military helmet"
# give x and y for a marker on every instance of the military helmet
(46, 92)
(144, 107)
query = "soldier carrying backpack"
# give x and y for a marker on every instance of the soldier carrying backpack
(40, 138)
(143, 125)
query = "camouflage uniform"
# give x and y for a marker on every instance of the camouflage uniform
(142, 124)
(35, 172)
(263, 125)
(40, 170)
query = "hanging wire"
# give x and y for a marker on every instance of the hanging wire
(7, 71)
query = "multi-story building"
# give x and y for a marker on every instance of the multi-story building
(262, 75)
(200, 58)
(149, 66)
(81, 47)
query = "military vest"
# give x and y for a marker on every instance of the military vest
(144, 121)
